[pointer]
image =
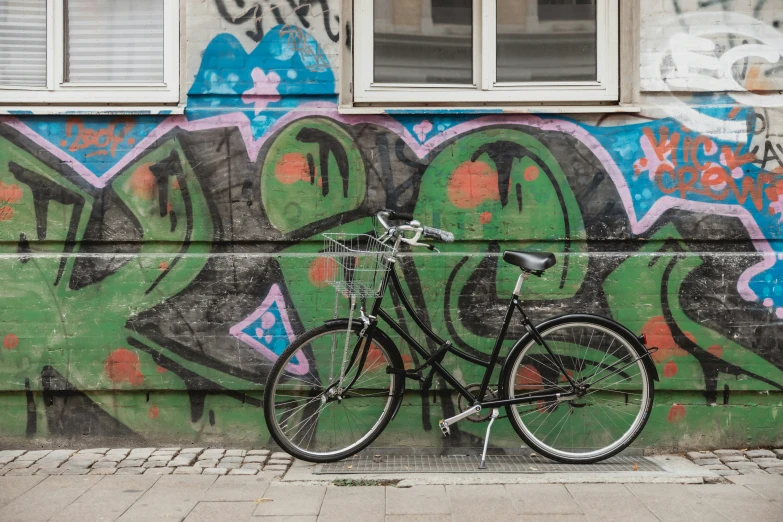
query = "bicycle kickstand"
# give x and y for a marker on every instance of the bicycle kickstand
(495, 414)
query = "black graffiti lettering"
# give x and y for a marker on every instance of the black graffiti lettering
(258, 12)
(771, 154)
(23, 248)
(327, 144)
(45, 190)
(172, 167)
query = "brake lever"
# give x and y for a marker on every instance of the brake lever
(413, 243)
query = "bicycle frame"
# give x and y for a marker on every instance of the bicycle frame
(376, 312)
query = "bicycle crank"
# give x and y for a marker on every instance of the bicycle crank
(463, 405)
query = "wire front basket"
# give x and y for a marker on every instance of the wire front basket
(354, 264)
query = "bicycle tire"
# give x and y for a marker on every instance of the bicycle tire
(392, 358)
(514, 371)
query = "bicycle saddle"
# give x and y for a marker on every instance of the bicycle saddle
(531, 261)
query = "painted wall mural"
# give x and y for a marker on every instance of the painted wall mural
(153, 268)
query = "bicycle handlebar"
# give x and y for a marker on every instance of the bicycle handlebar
(428, 232)
(438, 234)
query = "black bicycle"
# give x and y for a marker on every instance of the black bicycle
(577, 388)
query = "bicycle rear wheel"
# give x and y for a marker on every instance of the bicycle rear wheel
(303, 409)
(612, 412)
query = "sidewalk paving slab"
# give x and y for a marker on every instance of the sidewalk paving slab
(610, 502)
(172, 497)
(233, 488)
(288, 500)
(419, 500)
(739, 504)
(416, 518)
(12, 487)
(543, 499)
(106, 500)
(472, 503)
(361, 503)
(673, 503)
(769, 486)
(47, 498)
(231, 511)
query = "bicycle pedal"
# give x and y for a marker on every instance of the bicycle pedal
(444, 428)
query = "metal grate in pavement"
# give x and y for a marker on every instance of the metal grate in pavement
(469, 463)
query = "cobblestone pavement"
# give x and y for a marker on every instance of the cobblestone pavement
(142, 461)
(264, 498)
(729, 462)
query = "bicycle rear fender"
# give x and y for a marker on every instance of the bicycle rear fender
(595, 319)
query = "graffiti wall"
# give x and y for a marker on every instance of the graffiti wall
(153, 268)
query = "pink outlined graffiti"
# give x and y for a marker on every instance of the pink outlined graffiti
(327, 109)
(274, 297)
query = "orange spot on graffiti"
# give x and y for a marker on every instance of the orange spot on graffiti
(676, 413)
(472, 183)
(105, 140)
(161, 369)
(292, 167)
(733, 112)
(563, 377)
(142, 182)
(660, 336)
(756, 82)
(715, 350)
(10, 193)
(123, 366)
(485, 218)
(670, 369)
(169, 206)
(531, 173)
(6, 213)
(175, 184)
(153, 412)
(375, 359)
(322, 270)
(528, 378)
(163, 266)
(11, 341)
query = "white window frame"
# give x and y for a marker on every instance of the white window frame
(59, 92)
(485, 89)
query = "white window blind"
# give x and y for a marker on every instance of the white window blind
(23, 43)
(111, 41)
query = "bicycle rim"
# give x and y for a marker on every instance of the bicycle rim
(602, 422)
(310, 417)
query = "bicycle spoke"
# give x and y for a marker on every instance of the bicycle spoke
(346, 418)
(600, 420)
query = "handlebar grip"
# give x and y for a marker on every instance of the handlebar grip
(436, 233)
(404, 216)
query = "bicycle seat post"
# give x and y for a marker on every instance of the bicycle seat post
(520, 282)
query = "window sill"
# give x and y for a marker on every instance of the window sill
(106, 110)
(478, 110)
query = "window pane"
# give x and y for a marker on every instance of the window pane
(423, 41)
(23, 43)
(114, 41)
(546, 41)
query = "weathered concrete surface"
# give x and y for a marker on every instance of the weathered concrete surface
(245, 499)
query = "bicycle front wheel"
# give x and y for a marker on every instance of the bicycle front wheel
(602, 422)
(305, 411)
